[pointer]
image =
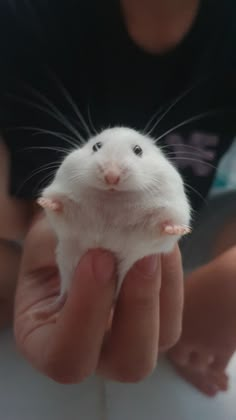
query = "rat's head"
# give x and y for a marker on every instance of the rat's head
(117, 159)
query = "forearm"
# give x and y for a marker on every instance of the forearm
(15, 214)
(10, 257)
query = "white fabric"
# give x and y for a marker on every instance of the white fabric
(27, 395)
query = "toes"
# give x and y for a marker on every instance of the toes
(217, 371)
(209, 389)
(215, 382)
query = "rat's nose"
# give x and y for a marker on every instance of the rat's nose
(112, 178)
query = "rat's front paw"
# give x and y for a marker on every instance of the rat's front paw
(51, 204)
(168, 228)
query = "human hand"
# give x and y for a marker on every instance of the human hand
(78, 340)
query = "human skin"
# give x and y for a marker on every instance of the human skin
(159, 25)
(79, 339)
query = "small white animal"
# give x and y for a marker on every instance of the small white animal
(117, 192)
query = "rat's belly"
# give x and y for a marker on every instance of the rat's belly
(128, 246)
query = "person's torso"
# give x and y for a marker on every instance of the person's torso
(73, 56)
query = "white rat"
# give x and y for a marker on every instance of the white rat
(117, 192)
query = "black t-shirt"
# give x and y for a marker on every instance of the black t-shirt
(60, 56)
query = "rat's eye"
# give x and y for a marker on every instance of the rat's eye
(137, 150)
(97, 146)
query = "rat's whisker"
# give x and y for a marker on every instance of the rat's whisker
(45, 180)
(158, 112)
(184, 153)
(148, 187)
(70, 140)
(169, 108)
(73, 146)
(193, 160)
(76, 178)
(151, 187)
(181, 145)
(71, 102)
(56, 149)
(91, 121)
(52, 111)
(46, 167)
(76, 174)
(188, 186)
(60, 114)
(188, 121)
(155, 179)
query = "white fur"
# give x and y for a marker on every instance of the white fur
(125, 221)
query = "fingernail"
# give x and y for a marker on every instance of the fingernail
(147, 265)
(103, 265)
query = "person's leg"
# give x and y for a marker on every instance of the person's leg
(208, 339)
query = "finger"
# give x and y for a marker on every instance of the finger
(87, 311)
(130, 352)
(40, 244)
(38, 276)
(68, 350)
(171, 299)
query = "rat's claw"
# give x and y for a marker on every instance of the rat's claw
(176, 229)
(48, 203)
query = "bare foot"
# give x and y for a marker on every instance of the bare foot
(208, 340)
